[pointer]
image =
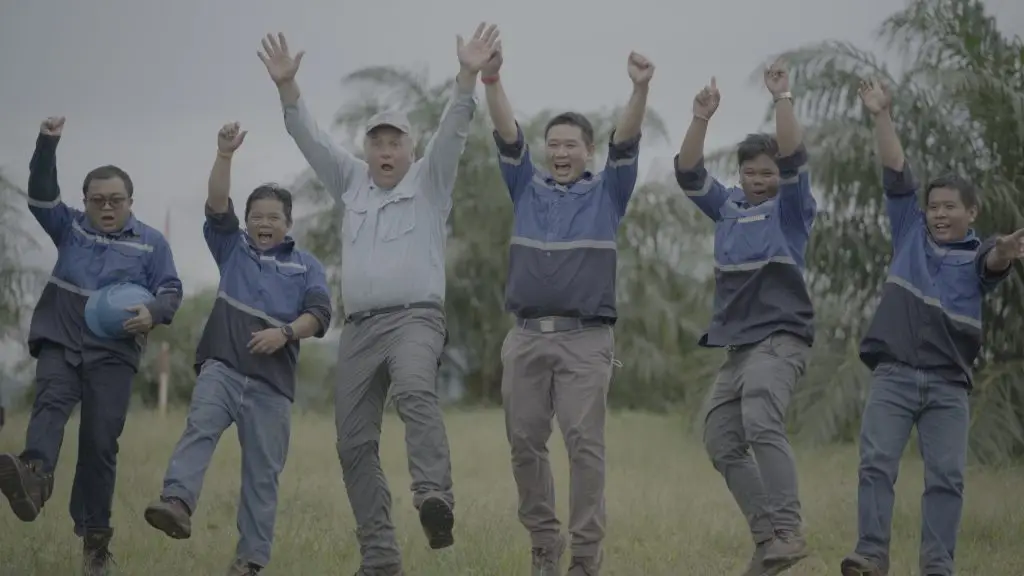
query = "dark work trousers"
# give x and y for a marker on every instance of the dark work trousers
(104, 387)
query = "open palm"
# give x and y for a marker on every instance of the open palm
(279, 62)
(473, 55)
(874, 95)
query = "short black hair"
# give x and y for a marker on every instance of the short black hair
(755, 145)
(106, 173)
(573, 119)
(968, 193)
(271, 192)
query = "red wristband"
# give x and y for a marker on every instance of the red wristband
(490, 79)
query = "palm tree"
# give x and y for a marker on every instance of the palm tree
(662, 300)
(959, 106)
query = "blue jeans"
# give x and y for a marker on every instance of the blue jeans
(900, 397)
(263, 417)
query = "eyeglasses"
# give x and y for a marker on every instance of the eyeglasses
(100, 202)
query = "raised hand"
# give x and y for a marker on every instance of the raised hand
(1010, 247)
(493, 65)
(875, 96)
(776, 78)
(230, 138)
(281, 65)
(476, 53)
(706, 101)
(640, 69)
(52, 126)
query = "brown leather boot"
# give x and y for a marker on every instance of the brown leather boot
(96, 557)
(25, 486)
(170, 516)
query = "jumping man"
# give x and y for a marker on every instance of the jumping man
(561, 289)
(271, 296)
(762, 316)
(104, 245)
(393, 233)
(920, 346)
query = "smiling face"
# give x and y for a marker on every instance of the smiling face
(568, 146)
(759, 174)
(389, 153)
(108, 198)
(268, 216)
(952, 208)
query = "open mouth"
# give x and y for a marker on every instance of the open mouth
(941, 227)
(387, 168)
(264, 238)
(562, 168)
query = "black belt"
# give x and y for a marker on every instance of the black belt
(560, 323)
(357, 316)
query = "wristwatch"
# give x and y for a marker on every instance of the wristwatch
(784, 96)
(289, 332)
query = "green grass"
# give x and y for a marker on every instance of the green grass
(669, 513)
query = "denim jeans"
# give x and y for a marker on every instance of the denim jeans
(901, 397)
(221, 397)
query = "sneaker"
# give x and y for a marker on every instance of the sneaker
(857, 565)
(437, 519)
(586, 565)
(785, 551)
(242, 568)
(24, 485)
(96, 556)
(170, 516)
(545, 561)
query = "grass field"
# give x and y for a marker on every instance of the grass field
(669, 512)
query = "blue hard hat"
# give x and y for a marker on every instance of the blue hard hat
(106, 311)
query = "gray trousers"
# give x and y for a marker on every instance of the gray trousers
(396, 352)
(745, 431)
(901, 397)
(563, 375)
(263, 417)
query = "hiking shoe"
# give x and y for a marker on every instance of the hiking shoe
(857, 565)
(243, 568)
(586, 565)
(24, 485)
(545, 561)
(785, 551)
(170, 516)
(437, 519)
(96, 556)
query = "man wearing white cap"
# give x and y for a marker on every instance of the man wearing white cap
(393, 234)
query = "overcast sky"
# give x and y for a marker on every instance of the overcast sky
(146, 84)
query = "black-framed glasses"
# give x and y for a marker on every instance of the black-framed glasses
(100, 202)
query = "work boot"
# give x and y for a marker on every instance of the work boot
(857, 565)
(25, 486)
(170, 516)
(586, 565)
(437, 519)
(546, 560)
(96, 556)
(785, 551)
(243, 568)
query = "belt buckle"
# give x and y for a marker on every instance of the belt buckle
(547, 325)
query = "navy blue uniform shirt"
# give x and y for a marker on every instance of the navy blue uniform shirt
(259, 290)
(929, 316)
(87, 260)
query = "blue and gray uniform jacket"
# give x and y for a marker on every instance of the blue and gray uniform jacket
(259, 290)
(88, 260)
(759, 254)
(929, 316)
(562, 258)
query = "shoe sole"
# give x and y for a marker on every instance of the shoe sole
(13, 488)
(779, 565)
(852, 568)
(165, 521)
(437, 519)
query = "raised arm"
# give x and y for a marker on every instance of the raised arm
(332, 164)
(44, 200)
(442, 155)
(513, 153)
(996, 257)
(621, 168)
(897, 179)
(706, 192)
(797, 206)
(221, 229)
